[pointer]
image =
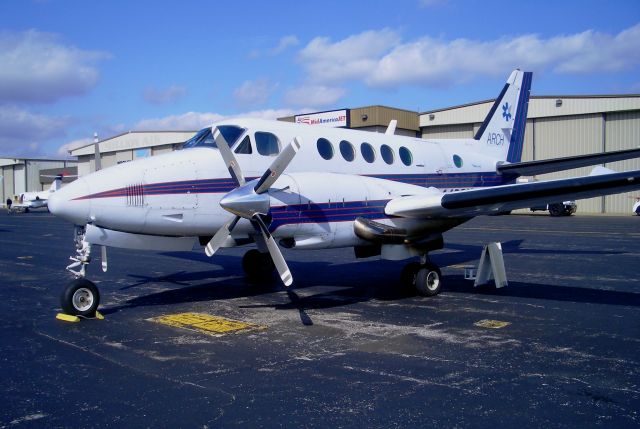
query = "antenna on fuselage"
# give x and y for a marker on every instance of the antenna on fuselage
(96, 145)
(391, 129)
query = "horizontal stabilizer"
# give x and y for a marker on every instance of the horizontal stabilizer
(497, 199)
(531, 168)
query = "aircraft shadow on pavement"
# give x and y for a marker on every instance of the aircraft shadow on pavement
(357, 281)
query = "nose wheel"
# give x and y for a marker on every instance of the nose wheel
(80, 298)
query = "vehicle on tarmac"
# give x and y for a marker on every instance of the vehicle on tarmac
(565, 208)
(636, 207)
(235, 184)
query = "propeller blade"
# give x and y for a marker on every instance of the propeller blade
(103, 258)
(274, 251)
(277, 167)
(228, 157)
(219, 238)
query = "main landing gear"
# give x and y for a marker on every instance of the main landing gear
(81, 296)
(425, 277)
(257, 265)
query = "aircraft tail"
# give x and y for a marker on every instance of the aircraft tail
(55, 185)
(502, 132)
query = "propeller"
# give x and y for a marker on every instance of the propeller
(251, 201)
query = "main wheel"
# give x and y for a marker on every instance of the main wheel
(257, 265)
(429, 280)
(80, 298)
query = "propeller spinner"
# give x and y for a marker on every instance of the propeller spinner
(250, 200)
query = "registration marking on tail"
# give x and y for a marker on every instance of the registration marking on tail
(206, 323)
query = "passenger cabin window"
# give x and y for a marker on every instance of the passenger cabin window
(405, 156)
(367, 152)
(245, 146)
(325, 148)
(347, 151)
(387, 154)
(267, 144)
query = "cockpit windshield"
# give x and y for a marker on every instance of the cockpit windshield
(204, 137)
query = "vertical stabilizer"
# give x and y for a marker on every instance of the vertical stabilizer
(502, 132)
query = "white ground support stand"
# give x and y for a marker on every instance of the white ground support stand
(491, 267)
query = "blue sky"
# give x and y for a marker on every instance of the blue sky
(69, 68)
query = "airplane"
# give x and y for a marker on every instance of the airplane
(34, 200)
(235, 184)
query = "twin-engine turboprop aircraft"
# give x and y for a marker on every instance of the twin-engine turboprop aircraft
(236, 183)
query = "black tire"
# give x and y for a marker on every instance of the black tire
(556, 209)
(80, 298)
(256, 265)
(408, 275)
(429, 280)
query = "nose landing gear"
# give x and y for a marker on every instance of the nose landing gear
(80, 298)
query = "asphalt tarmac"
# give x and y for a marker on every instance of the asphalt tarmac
(345, 347)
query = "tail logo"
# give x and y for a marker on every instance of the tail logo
(506, 112)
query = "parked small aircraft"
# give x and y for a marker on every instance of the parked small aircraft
(34, 200)
(234, 184)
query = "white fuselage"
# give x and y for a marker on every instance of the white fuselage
(315, 201)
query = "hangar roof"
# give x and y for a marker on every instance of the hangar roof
(539, 107)
(135, 140)
(7, 161)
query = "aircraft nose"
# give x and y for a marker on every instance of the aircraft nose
(67, 202)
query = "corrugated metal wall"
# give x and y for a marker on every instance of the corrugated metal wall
(566, 136)
(622, 132)
(449, 132)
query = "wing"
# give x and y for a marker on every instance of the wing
(496, 199)
(531, 168)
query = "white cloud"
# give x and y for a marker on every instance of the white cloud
(184, 122)
(65, 148)
(284, 43)
(21, 132)
(197, 120)
(313, 95)
(347, 59)
(379, 59)
(253, 92)
(36, 66)
(164, 96)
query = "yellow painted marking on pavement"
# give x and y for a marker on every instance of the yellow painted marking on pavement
(206, 323)
(491, 324)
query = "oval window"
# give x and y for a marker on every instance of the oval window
(457, 161)
(346, 149)
(325, 148)
(368, 153)
(405, 156)
(387, 154)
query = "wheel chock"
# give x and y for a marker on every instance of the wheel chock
(69, 318)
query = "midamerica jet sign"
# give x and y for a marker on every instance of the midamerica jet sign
(335, 118)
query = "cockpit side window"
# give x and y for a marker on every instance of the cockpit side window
(267, 144)
(245, 146)
(204, 137)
